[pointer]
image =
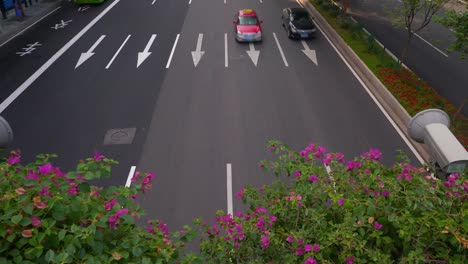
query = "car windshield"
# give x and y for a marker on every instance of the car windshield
(248, 20)
(300, 17)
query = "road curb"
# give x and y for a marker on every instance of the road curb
(396, 111)
(8, 35)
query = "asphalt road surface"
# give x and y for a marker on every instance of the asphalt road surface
(85, 82)
(427, 56)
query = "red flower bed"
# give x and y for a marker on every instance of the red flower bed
(416, 95)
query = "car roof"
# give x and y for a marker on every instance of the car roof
(297, 10)
(247, 12)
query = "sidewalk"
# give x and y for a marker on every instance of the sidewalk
(12, 25)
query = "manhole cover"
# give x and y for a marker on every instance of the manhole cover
(120, 136)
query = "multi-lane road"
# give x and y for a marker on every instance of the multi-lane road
(163, 86)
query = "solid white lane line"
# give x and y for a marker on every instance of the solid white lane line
(428, 43)
(172, 52)
(229, 189)
(53, 59)
(21, 32)
(405, 139)
(130, 176)
(280, 50)
(225, 51)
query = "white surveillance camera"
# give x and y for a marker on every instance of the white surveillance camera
(431, 127)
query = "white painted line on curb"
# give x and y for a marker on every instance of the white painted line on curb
(402, 135)
(117, 53)
(54, 58)
(225, 51)
(280, 50)
(172, 52)
(229, 189)
(428, 43)
(130, 176)
(21, 32)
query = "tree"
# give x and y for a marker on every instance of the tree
(415, 15)
(458, 22)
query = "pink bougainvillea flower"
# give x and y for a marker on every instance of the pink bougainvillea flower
(261, 210)
(113, 219)
(97, 156)
(109, 205)
(300, 251)
(45, 191)
(381, 184)
(310, 261)
(303, 153)
(341, 201)
(35, 221)
(45, 169)
(38, 203)
(350, 165)
(385, 193)
(273, 218)
(313, 178)
(300, 241)
(27, 233)
(32, 175)
(297, 174)
(134, 196)
(374, 154)
(377, 225)
(320, 150)
(241, 193)
(136, 176)
(260, 223)
(367, 171)
(13, 160)
(349, 260)
(20, 191)
(265, 242)
(150, 229)
(316, 247)
(340, 157)
(307, 247)
(290, 239)
(239, 214)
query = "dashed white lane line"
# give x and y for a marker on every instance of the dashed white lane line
(189, 2)
(53, 59)
(154, 1)
(225, 51)
(428, 43)
(382, 109)
(280, 50)
(118, 51)
(130, 176)
(21, 32)
(172, 52)
(229, 189)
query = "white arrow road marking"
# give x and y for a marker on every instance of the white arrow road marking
(225, 51)
(86, 55)
(142, 56)
(118, 51)
(197, 54)
(172, 52)
(280, 50)
(253, 54)
(310, 53)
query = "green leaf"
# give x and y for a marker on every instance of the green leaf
(72, 175)
(89, 175)
(2, 231)
(84, 187)
(49, 256)
(137, 251)
(58, 215)
(28, 209)
(16, 219)
(25, 221)
(61, 234)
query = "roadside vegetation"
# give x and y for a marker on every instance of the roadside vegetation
(362, 212)
(409, 89)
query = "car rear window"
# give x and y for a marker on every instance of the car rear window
(248, 20)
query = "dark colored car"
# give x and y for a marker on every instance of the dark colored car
(298, 23)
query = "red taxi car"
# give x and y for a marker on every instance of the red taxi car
(247, 26)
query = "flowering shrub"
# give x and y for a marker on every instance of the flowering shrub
(48, 216)
(362, 212)
(416, 95)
